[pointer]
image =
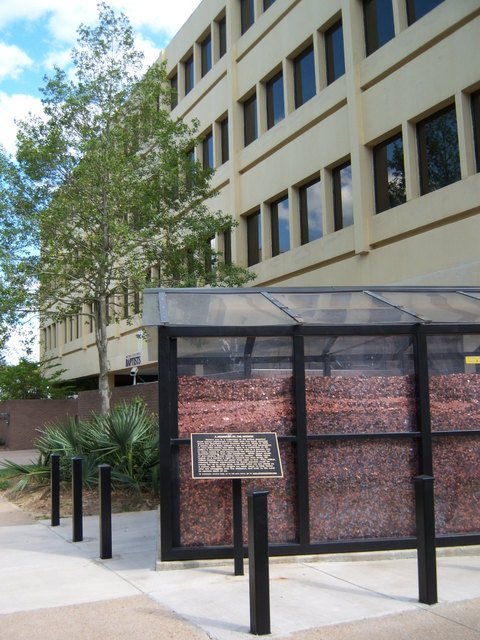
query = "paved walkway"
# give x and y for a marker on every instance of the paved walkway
(51, 587)
(50, 584)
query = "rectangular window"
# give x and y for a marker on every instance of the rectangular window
(311, 224)
(280, 227)
(476, 125)
(378, 21)
(416, 9)
(54, 334)
(275, 103)
(438, 152)
(224, 140)
(222, 37)
(188, 65)
(227, 247)
(174, 87)
(334, 52)
(254, 239)
(207, 151)
(342, 196)
(389, 174)
(250, 119)
(267, 4)
(246, 14)
(304, 76)
(206, 50)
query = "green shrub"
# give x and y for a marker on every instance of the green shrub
(126, 439)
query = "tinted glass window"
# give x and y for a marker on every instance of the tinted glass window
(280, 226)
(334, 52)
(389, 174)
(207, 151)
(206, 55)
(342, 196)
(476, 125)
(246, 14)
(304, 76)
(254, 239)
(250, 119)
(416, 9)
(311, 225)
(275, 104)
(378, 19)
(222, 37)
(438, 150)
(224, 140)
(188, 75)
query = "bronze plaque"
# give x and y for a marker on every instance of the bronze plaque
(235, 455)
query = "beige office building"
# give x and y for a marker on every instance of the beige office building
(345, 135)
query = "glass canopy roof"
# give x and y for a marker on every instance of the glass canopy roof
(310, 306)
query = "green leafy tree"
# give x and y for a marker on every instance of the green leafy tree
(29, 380)
(104, 191)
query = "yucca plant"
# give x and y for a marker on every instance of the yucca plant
(126, 439)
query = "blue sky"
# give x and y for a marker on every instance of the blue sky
(36, 34)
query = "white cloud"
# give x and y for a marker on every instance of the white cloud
(162, 16)
(12, 61)
(11, 108)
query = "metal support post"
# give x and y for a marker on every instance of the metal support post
(105, 491)
(237, 527)
(77, 510)
(258, 563)
(426, 553)
(55, 488)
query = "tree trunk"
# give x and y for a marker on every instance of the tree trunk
(102, 347)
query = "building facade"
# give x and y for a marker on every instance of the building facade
(345, 135)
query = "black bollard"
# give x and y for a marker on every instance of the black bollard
(55, 488)
(105, 491)
(426, 553)
(258, 563)
(77, 510)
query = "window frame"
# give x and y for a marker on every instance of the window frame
(250, 122)
(298, 79)
(207, 151)
(371, 29)
(380, 173)
(247, 15)
(275, 226)
(206, 54)
(338, 208)
(305, 232)
(475, 109)
(189, 74)
(423, 160)
(272, 119)
(222, 37)
(330, 57)
(254, 238)
(412, 11)
(224, 143)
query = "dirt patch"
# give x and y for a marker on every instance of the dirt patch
(37, 501)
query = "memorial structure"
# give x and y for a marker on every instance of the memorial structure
(365, 389)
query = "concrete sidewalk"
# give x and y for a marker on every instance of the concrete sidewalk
(52, 587)
(22, 456)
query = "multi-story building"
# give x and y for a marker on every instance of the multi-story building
(345, 135)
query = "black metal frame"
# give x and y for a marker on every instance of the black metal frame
(170, 441)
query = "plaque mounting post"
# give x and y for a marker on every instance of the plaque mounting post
(237, 526)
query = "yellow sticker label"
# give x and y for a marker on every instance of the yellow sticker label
(472, 359)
